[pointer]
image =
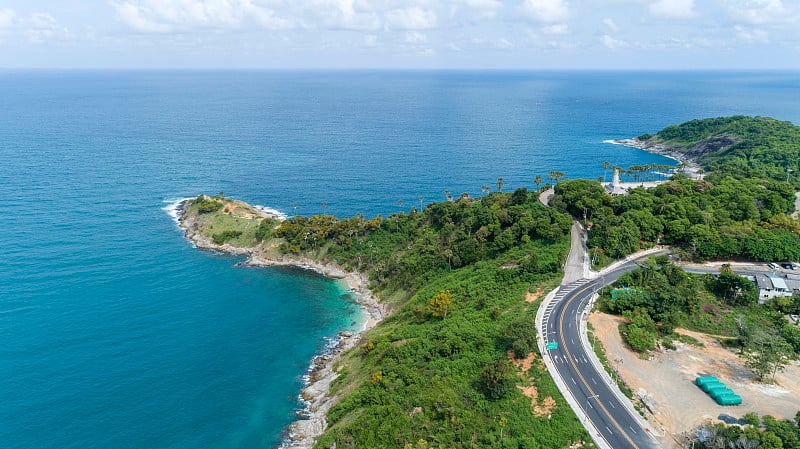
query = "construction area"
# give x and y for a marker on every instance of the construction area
(666, 381)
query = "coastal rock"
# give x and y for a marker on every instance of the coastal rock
(691, 168)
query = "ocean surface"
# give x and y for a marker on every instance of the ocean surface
(116, 333)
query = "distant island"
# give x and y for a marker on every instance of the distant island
(454, 362)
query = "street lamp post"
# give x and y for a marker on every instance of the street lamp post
(587, 401)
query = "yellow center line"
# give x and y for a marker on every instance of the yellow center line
(572, 362)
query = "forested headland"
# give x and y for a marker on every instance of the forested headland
(456, 364)
(741, 208)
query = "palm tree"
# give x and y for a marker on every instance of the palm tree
(400, 203)
(324, 205)
(448, 196)
(555, 175)
(537, 180)
(486, 189)
(606, 164)
(499, 184)
(421, 199)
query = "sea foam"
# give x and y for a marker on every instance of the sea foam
(173, 207)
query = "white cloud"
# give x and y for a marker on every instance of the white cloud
(163, 16)
(414, 37)
(7, 16)
(546, 10)
(751, 35)
(504, 43)
(454, 47)
(483, 4)
(340, 14)
(414, 18)
(612, 43)
(560, 28)
(485, 9)
(672, 9)
(42, 26)
(758, 12)
(136, 18)
(609, 22)
(371, 40)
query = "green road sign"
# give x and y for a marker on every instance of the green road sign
(552, 345)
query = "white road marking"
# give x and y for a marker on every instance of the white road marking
(595, 382)
(633, 430)
(609, 430)
(612, 405)
(573, 380)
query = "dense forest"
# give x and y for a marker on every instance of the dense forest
(741, 208)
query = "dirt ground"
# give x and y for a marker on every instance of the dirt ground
(667, 381)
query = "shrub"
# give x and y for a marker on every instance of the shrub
(496, 380)
(225, 236)
(205, 206)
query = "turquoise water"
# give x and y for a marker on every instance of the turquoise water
(116, 332)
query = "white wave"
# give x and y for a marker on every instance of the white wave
(18, 309)
(270, 212)
(172, 208)
(613, 142)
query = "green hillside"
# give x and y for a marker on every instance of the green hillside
(741, 146)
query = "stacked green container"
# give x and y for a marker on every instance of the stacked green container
(718, 391)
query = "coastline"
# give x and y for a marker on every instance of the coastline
(691, 168)
(316, 396)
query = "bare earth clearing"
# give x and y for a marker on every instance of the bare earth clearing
(668, 379)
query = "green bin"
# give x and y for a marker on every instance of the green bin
(700, 381)
(729, 399)
(707, 387)
(719, 392)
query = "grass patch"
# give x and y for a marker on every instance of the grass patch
(689, 340)
(230, 221)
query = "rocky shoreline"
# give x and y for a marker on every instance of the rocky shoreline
(316, 396)
(690, 167)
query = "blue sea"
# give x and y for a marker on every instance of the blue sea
(116, 333)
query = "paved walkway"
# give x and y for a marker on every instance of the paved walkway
(547, 195)
(575, 267)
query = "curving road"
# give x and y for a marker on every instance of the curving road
(609, 413)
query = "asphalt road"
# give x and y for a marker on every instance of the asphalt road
(609, 414)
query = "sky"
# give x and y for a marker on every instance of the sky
(401, 34)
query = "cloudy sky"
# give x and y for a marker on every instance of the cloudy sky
(513, 34)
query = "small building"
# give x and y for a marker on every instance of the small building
(771, 286)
